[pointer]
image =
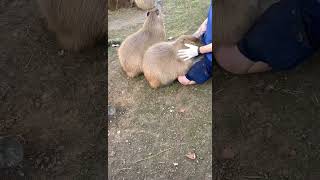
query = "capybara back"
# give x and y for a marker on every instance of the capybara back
(76, 23)
(161, 65)
(233, 18)
(145, 4)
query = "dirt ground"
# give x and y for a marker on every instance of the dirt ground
(266, 126)
(50, 99)
(153, 130)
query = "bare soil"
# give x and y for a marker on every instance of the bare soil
(152, 130)
(267, 125)
(51, 100)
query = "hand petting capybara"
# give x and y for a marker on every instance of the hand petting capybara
(161, 65)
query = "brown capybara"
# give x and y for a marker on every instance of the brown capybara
(233, 18)
(76, 23)
(161, 65)
(132, 49)
(145, 4)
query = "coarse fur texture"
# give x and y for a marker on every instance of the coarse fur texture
(77, 23)
(161, 65)
(233, 18)
(132, 49)
(145, 4)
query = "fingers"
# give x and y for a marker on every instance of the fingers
(183, 51)
(189, 45)
(185, 59)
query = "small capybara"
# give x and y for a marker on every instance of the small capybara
(145, 4)
(161, 65)
(233, 18)
(76, 23)
(132, 49)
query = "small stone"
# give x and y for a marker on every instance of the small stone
(171, 110)
(112, 153)
(118, 132)
(111, 111)
(175, 164)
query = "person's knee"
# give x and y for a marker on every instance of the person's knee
(229, 64)
(233, 61)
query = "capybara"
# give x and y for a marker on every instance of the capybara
(161, 65)
(145, 4)
(76, 23)
(233, 18)
(132, 49)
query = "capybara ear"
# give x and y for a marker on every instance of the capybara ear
(157, 12)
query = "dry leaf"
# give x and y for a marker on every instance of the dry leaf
(191, 155)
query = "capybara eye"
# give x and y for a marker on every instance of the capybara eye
(148, 13)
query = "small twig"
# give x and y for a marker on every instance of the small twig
(153, 155)
(253, 177)
(28, 61)
(124, 169)
(315, 97)
(219, 91)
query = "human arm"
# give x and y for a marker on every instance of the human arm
(201, 29)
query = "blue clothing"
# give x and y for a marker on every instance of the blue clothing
(282, 37)
(201, 71)
(207, 37)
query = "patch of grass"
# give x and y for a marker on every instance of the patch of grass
(184, 16)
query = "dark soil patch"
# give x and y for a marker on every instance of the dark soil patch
(271, 122)
(51, 99)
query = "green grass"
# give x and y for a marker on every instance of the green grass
(184, 16)
(181, 17)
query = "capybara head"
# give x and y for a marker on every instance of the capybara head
(186, 39)
(145, 4)
(154, 20)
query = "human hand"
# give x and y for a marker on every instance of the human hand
(189, 53)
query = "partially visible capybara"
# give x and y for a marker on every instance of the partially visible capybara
(233, 18)
(161, 65)
(145, 4)
(76, 23)
(132, 49)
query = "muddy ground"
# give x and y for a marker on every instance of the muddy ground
(50, 99)
(153, 130)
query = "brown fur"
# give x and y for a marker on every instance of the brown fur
(76, 23)
(145, 4)
(233, 18)
(134, 46)
(161, 65)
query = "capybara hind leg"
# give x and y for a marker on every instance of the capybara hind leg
(154, 83)
(69, 42)
(132, 74)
